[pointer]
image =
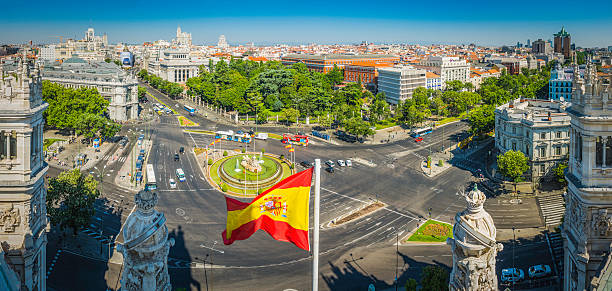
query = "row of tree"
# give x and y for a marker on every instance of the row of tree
(171, 89)
(80, 111)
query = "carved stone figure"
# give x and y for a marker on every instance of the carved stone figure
(474, 247)
(146, 247)
(9, 219)
(601, 222)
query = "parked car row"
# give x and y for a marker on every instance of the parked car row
(513, 275)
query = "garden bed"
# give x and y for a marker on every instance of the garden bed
(183, 121)
(432, 231)
(360, 213)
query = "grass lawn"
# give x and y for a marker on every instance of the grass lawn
(432, 231)
(385, 124)
(275, 136)
(183, 121)
(49, 141)
(451, 119)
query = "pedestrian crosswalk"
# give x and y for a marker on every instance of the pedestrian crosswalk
(96, 235)
(552, 207)
(556, 245)
(114, 158)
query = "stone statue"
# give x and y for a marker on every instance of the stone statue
(146, 247)
(474, 246)
(251, 163)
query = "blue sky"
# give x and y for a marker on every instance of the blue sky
(269, 22)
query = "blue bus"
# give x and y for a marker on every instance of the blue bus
(421, 132)
(189, 109)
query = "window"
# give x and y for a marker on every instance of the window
(542, 152)
(527, 150)
(559, 134)
(609, 151)
(3, 152)
(513, 130)
(514, 146)
(578, 153)
(13, 141)
(598, 151)
(542, 169)
(557, 151)
(542, 135)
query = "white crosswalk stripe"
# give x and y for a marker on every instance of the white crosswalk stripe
(552, 207)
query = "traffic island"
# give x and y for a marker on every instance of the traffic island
(432, 231)
(366, 210)
(242, 174)
(185, 122)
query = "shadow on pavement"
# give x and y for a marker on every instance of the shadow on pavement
(351, 276)
(181, 278)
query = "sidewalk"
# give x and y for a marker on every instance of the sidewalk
(123, 177)
(65, 159)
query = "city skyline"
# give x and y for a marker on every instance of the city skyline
(340, 22)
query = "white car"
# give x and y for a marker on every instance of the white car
(341, 163)
(172, 184)
(330, 163)
(512, 275)
(539, 271)
(349, 163)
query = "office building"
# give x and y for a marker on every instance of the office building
(433, 81)
(448, 68)
(563, 42)
(398, 83)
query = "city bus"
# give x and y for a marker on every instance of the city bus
(151, 184)
(189, 109)
(421, 132)
(297, 139)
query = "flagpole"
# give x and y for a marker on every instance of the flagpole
(315, 233)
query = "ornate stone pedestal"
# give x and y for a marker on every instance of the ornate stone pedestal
(146, 247)
(474, 247)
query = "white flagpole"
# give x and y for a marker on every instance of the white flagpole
(315, 233)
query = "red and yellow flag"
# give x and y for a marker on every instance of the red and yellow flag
(281, 211)
(288, 146)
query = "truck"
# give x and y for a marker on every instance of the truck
(261, 135)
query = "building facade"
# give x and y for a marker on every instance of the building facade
(563, 43)
(398, 83)
(47, 53)
(433, 81)
(23, 214)
(587, 227)
(177, 65)
(182, 38)
(539, 129)
(113, 83)
(222, 43)
(325, 63)
(448, 68)
(560, 84)
(541, 47)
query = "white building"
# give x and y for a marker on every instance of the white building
(222, 43)
(182, 38)
(47, 53)
(113, 83)
(587, 226)
(23, 214)
(538, 128)
(433, 81)
(449, 68)
(398, 83)
(176, 65)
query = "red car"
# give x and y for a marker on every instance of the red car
(418, 139)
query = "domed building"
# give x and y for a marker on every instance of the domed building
(474, 246)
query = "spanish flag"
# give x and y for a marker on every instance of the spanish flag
(281, 211)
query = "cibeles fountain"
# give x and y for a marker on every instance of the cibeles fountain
(474, 246)
(252, 164)
(146, 246)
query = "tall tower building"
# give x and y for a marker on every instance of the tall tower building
(222, 43)
(563, 42)
(587, 227)
(23, 215)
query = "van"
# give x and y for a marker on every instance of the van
(180, 175)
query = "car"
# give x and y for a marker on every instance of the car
(329, 169)
(330, 163)
(512, 275)
(182, 150)
(176, 157)
(172, 184)
(539, 271)
(341, 163)
(418, 139)
(306, 164)
(180, 175)
(349, 163)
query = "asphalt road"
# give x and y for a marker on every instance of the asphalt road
(196, 213)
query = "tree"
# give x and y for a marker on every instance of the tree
(142, 92)
(117, 62)
(70, 199)
(512, 164)
(434, 278)
(356, 126)
(411, 285)
(454, 85)
(482, 119)
(559, 171)
(291, 114)
(335, 76)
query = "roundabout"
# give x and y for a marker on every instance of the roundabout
(247, 174)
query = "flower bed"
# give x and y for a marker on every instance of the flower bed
(432, 231)
(183, 121)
